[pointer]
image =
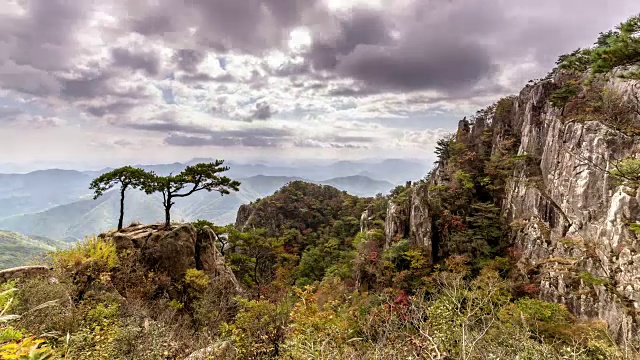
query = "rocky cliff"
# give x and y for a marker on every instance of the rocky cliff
(569, 220)
(171, 252)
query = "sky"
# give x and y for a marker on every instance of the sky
(90, 83)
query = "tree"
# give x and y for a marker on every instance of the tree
(192, 179)
(561, 97)
(127, 177)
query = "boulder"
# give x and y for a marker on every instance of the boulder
(23, 272)
(173, 250)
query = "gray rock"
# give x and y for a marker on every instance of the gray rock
(23, 272)
(573, 227)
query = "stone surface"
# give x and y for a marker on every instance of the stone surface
(582, 250)
(210, 260)
(174, 250)
(23, 272)
(571, 233)
(397, 224)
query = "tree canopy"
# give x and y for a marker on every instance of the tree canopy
(127, 177)
(192, 179)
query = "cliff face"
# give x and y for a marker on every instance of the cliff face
(569, 220)
(581, 249)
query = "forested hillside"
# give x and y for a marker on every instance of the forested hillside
(18, 249)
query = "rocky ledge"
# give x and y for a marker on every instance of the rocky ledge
(172, 251)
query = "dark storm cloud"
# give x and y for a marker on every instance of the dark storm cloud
(362, 27)
(86, 85)
(167, 122)
(44, 38)
(416, 66)
(27, 79)
(422, 49)
(263, 111)
(351, 91)
(433, 45)
(148, 62)
(118, 107)
(34, 45)
(203, 78)
(249, 26)
(450, 46)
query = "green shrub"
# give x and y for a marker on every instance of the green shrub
(100, 254)
(626, 172)
(10, 334)
(259, 328)
(197, 279)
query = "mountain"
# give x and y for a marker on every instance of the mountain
(553, 184)
(359, 185)
(82, 216)
(18, 249)
(73, 221)
(303, 206)
(44, 189)
(40, 190)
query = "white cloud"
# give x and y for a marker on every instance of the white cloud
(102, 85)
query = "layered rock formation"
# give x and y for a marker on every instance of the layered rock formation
(569, 219)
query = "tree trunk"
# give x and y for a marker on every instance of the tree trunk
(121, 208)
(167, 213)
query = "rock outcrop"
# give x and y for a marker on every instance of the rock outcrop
(570, 226)
(397, 222)
(408, 216)
(23, 272)
(174, 250)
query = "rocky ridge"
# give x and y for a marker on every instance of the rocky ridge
(570, 231)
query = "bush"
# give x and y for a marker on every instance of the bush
(626, 172)
(259, 328)
(93, 254)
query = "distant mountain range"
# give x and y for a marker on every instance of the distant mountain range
(57, 204)
(395, 171)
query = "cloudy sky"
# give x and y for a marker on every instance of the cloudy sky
(106, 82)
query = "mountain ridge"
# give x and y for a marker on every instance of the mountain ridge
(75, 220)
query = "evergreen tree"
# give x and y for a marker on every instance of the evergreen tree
(194, 178)
(127, 177)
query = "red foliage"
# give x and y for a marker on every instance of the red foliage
(373, 256)
(289, 249)
(402, 299)
(527, 289)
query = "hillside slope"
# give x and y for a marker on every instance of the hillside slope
(18, 249)
(40, 190)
